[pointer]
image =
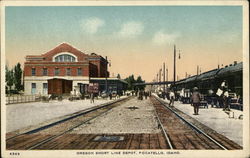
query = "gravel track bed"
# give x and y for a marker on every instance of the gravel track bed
(71, 123)
(133, 116)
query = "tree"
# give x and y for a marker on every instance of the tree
(6, 72)
(139, 80)
(18, 77)
(130, 80)
(9, 77)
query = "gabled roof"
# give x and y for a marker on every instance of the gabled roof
(64, 47)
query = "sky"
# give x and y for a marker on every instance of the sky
(136, 39)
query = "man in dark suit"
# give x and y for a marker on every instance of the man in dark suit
(195, 100)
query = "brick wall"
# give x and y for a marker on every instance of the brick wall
(94, 68)
(51, 69)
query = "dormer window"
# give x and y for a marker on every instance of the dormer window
(65, 57)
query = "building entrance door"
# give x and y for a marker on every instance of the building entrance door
(59, 86)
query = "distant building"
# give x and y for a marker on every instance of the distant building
(61, 69)
(114, 84)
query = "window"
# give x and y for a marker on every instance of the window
(33, 88)
(60, 58)
(65, 58)
(33, 71)
(79, 71)
(33, 85)
(45, 71)
(68, 71)
(57, 71)
(45, 88)
(45, 85)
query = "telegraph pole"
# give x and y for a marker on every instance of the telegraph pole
(160, 75)
(197, 69)
(167, 73)
(164, 76)
(106, 75)
(174, 65)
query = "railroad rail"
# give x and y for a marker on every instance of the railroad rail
(195, 128)
(178, 132)
(160, 125)
(60, 127)
(194, 134)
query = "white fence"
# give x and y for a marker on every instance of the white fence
(14, 99)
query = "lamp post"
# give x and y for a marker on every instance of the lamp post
(175, 65)
(106, 74)
(160, 78)
(164, 87)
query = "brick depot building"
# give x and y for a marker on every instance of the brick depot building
(61, 69)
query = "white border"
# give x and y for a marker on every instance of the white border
(184, 153)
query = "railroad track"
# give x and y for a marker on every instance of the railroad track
(181, 133)
(36, 137)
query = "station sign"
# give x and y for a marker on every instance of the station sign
(93, 88)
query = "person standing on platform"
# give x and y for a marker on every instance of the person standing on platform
(163, 95)
(141, 94)
(146, 95)
(225, 98)
(110, 95)
(92, 98)
(195, 100)
(172, 98)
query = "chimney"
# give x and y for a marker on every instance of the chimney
(235, 62)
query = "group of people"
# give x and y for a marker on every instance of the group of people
(195, 99)
(142, 93)
(109, 95)
(222, 93)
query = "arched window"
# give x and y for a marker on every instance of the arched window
(65, 58)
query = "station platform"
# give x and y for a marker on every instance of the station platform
(24, 115)
(229, 125)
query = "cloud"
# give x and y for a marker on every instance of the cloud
(91, 25)
(161, 38)
(131, 29)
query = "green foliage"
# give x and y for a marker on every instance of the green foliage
(131, 80)
(18, 77)
(139, 80)
(9, 77)
(13, 77)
